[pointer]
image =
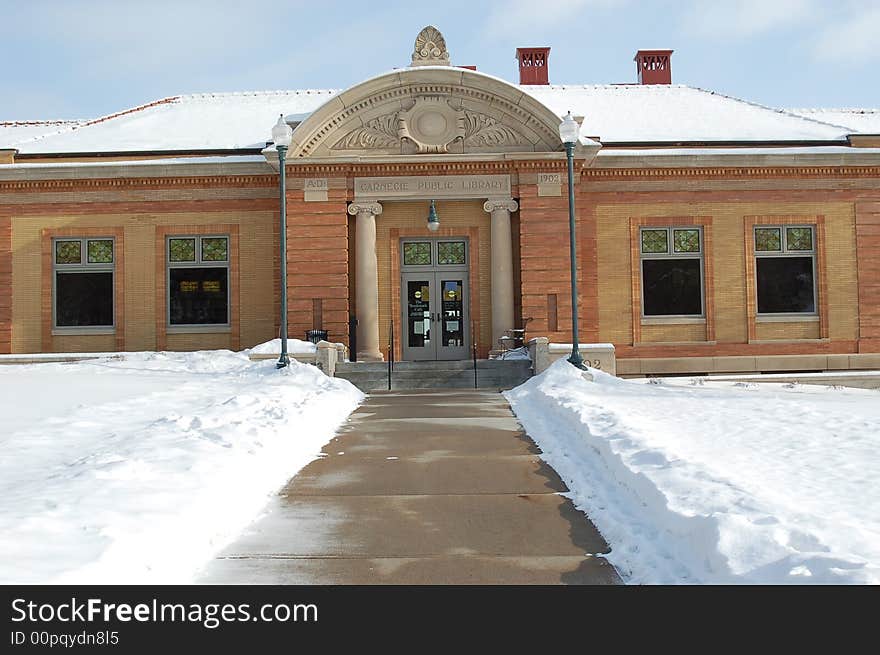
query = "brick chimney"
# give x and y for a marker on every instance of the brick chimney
(533, 65)
(654, 66)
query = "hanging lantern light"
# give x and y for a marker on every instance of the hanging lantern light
(433, 219)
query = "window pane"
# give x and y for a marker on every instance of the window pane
(418, 318)
(416, 254)
(453, 313)
(799, 238)
(182, 250)
(686, 240)
(100, 251)
(83, 299)
(768, 239)
(214, 249)
(450, 252)
(198, 296)
(654, 241)
(671, 287)
(785, 284)
(68, 252)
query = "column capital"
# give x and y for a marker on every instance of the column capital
(370, 207)
(500, 204)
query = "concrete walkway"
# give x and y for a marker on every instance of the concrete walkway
(421, 488)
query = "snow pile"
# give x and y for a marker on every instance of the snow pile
(716, 482)
(273, 347)
(138, 470)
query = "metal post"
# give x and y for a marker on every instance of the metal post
(284, 360)
(474, 350)
(575, 358)
(390, 354)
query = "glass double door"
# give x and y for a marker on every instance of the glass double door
(435, 315)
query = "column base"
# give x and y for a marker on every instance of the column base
(370, 357)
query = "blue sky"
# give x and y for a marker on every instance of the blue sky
(86, 58)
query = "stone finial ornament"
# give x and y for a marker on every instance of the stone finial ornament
(430, 49)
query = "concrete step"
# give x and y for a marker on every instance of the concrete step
(491, 374)
(450, 365)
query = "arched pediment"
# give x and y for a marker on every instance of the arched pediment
(428, 110)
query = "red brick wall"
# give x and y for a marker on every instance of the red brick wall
(317, 264)
(5, 285)
(545, 262)
(868, 249)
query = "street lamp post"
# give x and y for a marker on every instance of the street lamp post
(568, 132)
(281, 135)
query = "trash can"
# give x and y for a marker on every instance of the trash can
(316, 335)
(519, 337)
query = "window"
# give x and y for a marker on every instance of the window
(198, 280)
(785, 269)
(83, 282)
(672, 271)
(450, 252)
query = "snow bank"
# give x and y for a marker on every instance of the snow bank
(716, 482)
(139, 470)
(294, 346)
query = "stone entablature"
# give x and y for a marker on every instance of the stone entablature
(431, 186)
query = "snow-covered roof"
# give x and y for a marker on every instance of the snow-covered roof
(14, 132)
(204, 121)
(866, 121)
(614, 113)
(647, 113)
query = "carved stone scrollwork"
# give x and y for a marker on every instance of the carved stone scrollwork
(373, 208)
(483, 131)
(500, 204)
(376, 134)
(433, 126)
(430, 48)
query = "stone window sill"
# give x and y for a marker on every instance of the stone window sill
(781, 341)
(673, 320)
(788, 318)
(82, 332)
(198, 329)
(643, 344)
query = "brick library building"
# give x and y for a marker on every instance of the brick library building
(431, 202)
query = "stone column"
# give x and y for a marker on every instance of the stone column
(502, 266)
(367, 272)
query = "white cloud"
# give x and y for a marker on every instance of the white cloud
(745, 18)
(851, 40)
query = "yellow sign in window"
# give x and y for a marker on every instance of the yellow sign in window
(189, 286)
(211, 286)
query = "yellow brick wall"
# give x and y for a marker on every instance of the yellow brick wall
(679, 332)
(255, 252)
(453, 213)
(98, 343)
(203, 341)
(787, 330)
(615, 292)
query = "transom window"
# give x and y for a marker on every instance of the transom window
(672, 271)
(435, 253)
(785, 269)
(83, 284)
(198, 280)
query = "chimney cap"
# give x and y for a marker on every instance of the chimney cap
(653, 51)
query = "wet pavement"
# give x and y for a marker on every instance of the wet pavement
(439, 487)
